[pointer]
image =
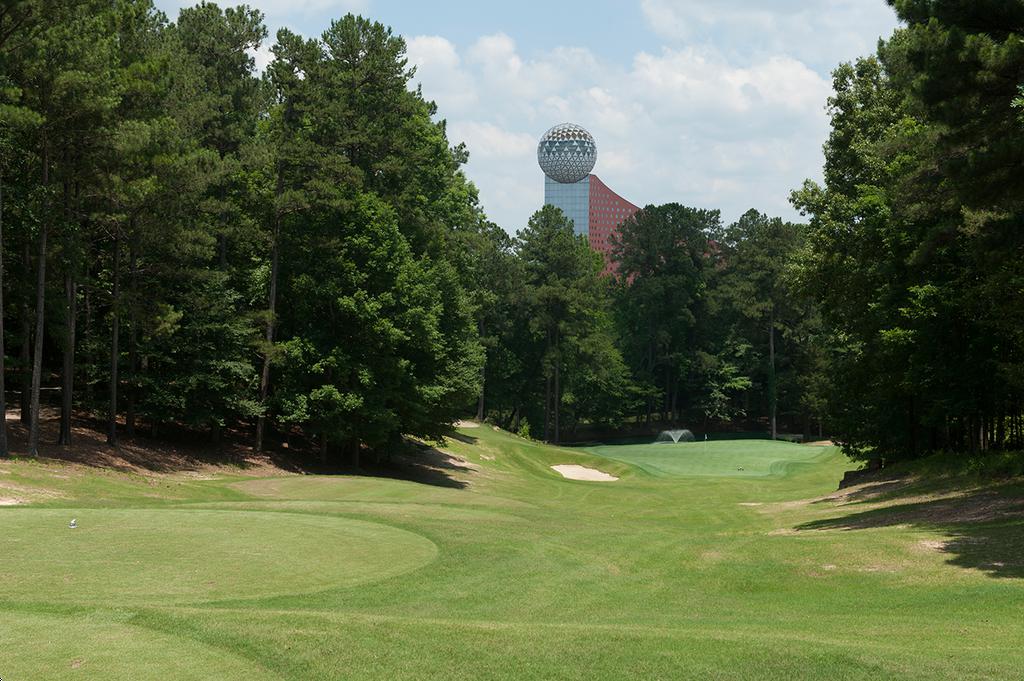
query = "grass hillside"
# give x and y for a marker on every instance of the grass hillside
(686, 567)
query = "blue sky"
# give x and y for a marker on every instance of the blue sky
(711, 103)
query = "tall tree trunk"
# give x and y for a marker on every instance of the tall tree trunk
(668, 395)
(912, 426)
(483, 378)
(547, 391)
(558, 390)
(547, 406)
(115, 330)
(70, 291)
(674, 409)
(87, 330)
(650, 371)
(25, 403)
(37, 356)
(480, 401)
(133, 334)
(772, 388)
(275, 257)
(352, 449)
(68, 385)
(3, 395)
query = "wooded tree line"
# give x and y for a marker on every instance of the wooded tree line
(189, 241)
(915, 250)
(896, 316)
(702, 327)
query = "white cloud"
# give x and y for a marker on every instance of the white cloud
(262, 55)
(822, 33)
(694, 80)
(685, 124)
(440, 72)
(728, 112)
(488, 141)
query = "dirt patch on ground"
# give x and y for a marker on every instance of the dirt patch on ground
(900, 502)
(189, 453)
(940, 508)
(783, 532)
(12, 495)
(574, 472)
(438, 459)
(193, 456)
(467, 424)
(866, 491)
(821, 443)
(964, 508)
(890, 568)
(785, 505)
(933, 544)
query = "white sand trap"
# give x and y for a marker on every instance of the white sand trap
(467, 424)
(574, 472)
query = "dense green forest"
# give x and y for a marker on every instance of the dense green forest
(188, 242)
(915, 251)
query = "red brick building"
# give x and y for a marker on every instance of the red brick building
(567, 153)
(608, 210)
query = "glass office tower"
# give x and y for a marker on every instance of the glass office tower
(567, 153)
(573, 199)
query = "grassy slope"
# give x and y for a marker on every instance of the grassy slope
(685, 568)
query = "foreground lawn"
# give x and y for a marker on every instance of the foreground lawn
(687, 567)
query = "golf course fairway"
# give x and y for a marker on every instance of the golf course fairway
(720, 560)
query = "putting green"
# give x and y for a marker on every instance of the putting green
(98, 647)
(729, 458)
(151, 555)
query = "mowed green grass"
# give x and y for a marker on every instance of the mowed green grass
(718, 458)
(686, 568)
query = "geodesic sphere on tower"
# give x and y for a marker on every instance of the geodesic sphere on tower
(567, 153)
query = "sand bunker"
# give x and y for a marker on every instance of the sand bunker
(583, 473)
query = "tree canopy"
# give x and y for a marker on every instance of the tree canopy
(298, 253)
(915, 241)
